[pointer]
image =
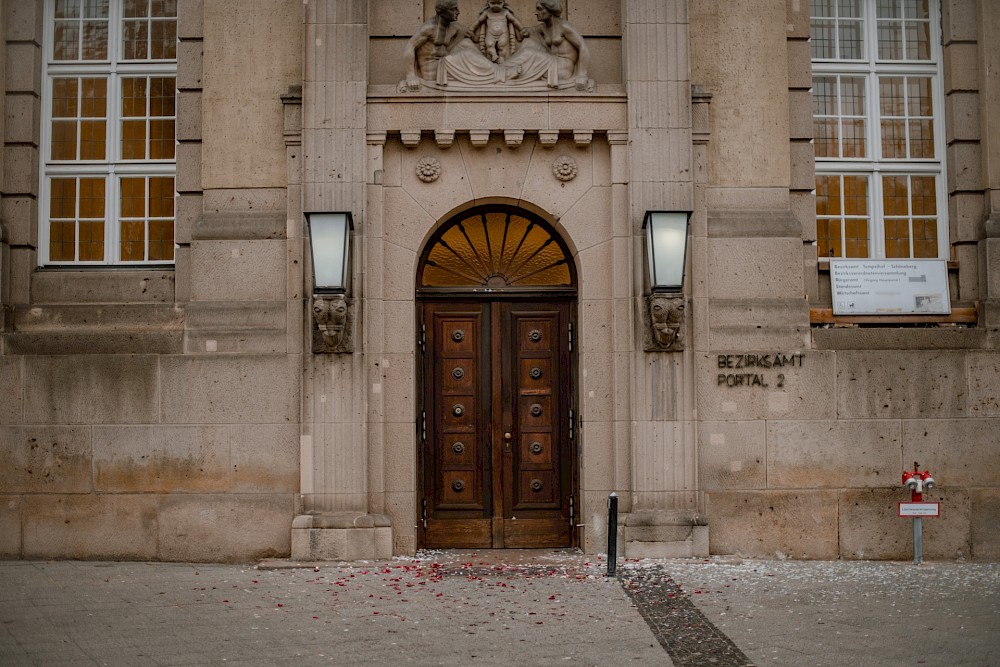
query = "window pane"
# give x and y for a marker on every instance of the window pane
(164, 40)
(161, 197)
(897, 238)
(920, 100)
(133, 194)
(62, 198)
(94, 100)
(893, 139)
(916, 9)
(891, 99)
(64, 98)
(895, 195)
(828, 195)
(95, 9)
(161, 140)
(925, 242)
(918, 41)
(134, 97)
(822, 8)
(136, 8)
(93, 140)
(828, 238)
(924, 195)
(66, 44)
(921, 139)
(164, 8)
(67, 9)
(849, 8)
(856, 195)
(887, 9)
(63, 140)
(133, 240)
(92, 198)
(161, 240)
(852, 101)
(855, 238)
(826, 139)
(890, 40)
(135, 39)
(95, 40)
(852, 40)
(134, 140)
(92, 241)
(161, 96)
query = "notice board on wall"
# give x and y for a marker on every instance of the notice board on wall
(890, 287)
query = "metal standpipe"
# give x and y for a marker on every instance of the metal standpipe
(612, 533)
(918, 540)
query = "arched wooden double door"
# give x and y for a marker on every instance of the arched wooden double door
(496, 432)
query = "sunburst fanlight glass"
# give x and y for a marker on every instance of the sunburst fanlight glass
(496, 249)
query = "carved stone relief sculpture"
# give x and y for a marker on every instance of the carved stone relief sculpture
(666, 321)
(333, 319)
(442, 55)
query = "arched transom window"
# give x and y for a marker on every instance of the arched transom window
(496, 247)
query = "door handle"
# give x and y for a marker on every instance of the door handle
(506, 442)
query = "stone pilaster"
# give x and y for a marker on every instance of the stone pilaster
(989, 97)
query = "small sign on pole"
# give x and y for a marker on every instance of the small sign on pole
(919, 509)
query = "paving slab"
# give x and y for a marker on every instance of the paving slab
(501, 607)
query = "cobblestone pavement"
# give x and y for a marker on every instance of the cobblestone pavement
(498, 608)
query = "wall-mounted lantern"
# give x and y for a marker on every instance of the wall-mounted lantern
(666, 249)
(330, 248)
(666, 258)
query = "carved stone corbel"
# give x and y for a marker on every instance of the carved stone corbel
(333, 317)
(665, 330)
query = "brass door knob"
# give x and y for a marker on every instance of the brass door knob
(506, 436)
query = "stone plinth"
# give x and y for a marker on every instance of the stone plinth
(341, 536)
(665, 534)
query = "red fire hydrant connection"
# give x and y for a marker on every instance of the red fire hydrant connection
(918, 481)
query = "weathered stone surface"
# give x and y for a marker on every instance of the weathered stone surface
(732, 455)
(959, 452)
(163, 459)
(901, 384)
(10, 526)
(984, 397)
(109, 527)
(107, 389)
(832, 454)
(216, 528)
(768, 524)
(264, 458)
(10, 390)
(238, 270)
(984, 508)
(871, 528)
(45, 459)
(230, 389)
(74, 287)
(253, 52)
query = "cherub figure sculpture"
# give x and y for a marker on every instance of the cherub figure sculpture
(501, 30)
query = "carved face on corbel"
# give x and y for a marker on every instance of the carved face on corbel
(666, 317)
(331, 314)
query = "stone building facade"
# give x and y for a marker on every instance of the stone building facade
(165, 392)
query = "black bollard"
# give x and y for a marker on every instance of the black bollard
(612, 533)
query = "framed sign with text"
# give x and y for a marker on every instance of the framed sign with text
(890, 287)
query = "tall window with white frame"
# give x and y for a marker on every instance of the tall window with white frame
(108, 148)
(877, 113)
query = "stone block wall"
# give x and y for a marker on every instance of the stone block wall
(821, 478)
(148, 457)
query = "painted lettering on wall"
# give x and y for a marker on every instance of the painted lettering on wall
(756, 370)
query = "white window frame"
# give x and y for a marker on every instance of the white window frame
(112, 168)
(875, 166)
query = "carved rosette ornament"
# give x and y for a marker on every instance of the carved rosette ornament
(666, 322)
(428, 169)
(565, 168)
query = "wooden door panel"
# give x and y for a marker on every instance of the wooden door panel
(455, 467)
(491, 369)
